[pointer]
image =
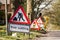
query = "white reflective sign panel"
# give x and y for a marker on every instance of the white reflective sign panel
(19, 28)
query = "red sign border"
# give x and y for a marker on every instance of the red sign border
(28, 21)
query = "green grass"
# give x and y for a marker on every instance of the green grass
(3, 26)
(19, 35)
(55, 27)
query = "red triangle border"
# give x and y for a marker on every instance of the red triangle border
(28, 21)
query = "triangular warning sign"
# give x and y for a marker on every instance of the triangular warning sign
(19, 17)
(34, 25)
(37, 24)
(39, 20)
(40, 23)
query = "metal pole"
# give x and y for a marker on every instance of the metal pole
(6, 16)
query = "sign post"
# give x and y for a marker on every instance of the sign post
(19, 22)
(6, 17)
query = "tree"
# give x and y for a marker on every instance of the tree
(29, 8)
(55, 13)
(2, 17)
(0, 4)
(35, 8)
(56, 8)
(17, 3)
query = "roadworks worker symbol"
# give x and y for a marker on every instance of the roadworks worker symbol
(19, 17)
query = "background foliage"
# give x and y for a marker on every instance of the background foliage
(17, 3)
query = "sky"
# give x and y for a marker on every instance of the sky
(4, 1)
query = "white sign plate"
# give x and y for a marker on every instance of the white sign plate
(19, 28)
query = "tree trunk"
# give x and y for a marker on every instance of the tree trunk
(29, 8)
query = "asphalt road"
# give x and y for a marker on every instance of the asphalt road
(51, 35)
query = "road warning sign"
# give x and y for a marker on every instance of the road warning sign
(39, 20)
(37, 24)
(19, 22)
(40, 23)
(19, 17)
(34, 25)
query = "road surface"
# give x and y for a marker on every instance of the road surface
(51, 35)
